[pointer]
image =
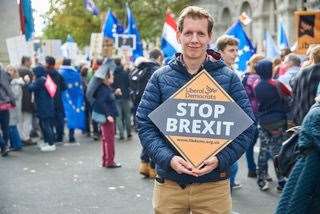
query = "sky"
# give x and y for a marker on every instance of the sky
(40, 7)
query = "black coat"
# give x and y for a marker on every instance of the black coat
(121, 80)
(304, 89)
(61, 86)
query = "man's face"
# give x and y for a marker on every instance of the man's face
(194, 38)
(229, 54)
(28, 63)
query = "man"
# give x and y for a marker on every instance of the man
(179, 187)
(58, 104)
(121, 80)
(292, 63)
(138, 81)
(24, 125)
(227, 46)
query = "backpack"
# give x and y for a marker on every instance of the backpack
(288, 154)
(138, 80)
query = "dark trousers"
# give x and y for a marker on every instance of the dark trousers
(252, 167)
(4, 123)
(15, 140)
(59, 127)
(46, 125)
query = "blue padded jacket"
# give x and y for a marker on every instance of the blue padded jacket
(164, 83)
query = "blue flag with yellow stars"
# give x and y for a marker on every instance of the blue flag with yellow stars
(73, 98)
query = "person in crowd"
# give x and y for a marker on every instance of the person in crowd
(15, 113)
(24, 125)
(248, 82)
(304, 87)
(272, 120)
(121, 81)
(302, 191)
(105, 104)
(292, 63)
(94, 82)
(58, 104)
(45, 107)
(179, 187)
(138, 81)
(84, 73)
(95, 65)
(7, 102)
(73, 98)
(227, 46)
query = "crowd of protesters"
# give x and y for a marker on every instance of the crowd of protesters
(101, 99)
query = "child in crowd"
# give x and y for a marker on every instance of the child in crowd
(105, 105)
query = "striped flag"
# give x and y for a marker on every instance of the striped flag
(169, 44)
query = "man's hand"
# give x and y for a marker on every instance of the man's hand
(181, 166)
(118, 92)
(209, 165)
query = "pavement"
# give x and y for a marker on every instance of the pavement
(71, 181)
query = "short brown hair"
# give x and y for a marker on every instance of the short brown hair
(315, 54)
(195, 13)
(225, 40)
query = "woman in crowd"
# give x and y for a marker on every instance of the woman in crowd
(15, 113)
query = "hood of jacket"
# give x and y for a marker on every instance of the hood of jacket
(39, 71)
(264, 69)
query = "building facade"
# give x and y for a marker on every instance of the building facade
(9, 25)
(265, 15)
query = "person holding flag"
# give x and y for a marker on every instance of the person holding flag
(73, 98)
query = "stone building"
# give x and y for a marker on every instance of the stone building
(9, 25)
(265, 15)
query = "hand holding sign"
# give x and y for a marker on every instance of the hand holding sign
(181, 166)
(209, 165)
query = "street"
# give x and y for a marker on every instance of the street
(70, 180)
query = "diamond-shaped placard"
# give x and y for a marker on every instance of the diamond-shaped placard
(200, 119)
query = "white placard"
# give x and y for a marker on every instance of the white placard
(17, 48)
(96, 45)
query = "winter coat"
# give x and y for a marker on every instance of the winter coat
(44, 103)
(271, 108)
(61, 86)
(121, 80)
(15, 114)
(105, 101)
(163, 84)
(249, 83)
(304, 89)
(6, 94)
(27, 96)
(302, 190)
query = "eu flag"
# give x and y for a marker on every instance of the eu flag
(73, 98)
(246, 49)
(132, 29)
(272, 51)
(91, 7)
(282, 37)
(111, 25)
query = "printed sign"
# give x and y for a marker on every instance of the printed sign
(200, 119)
(308, 29)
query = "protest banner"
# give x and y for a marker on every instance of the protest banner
(200, 119)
